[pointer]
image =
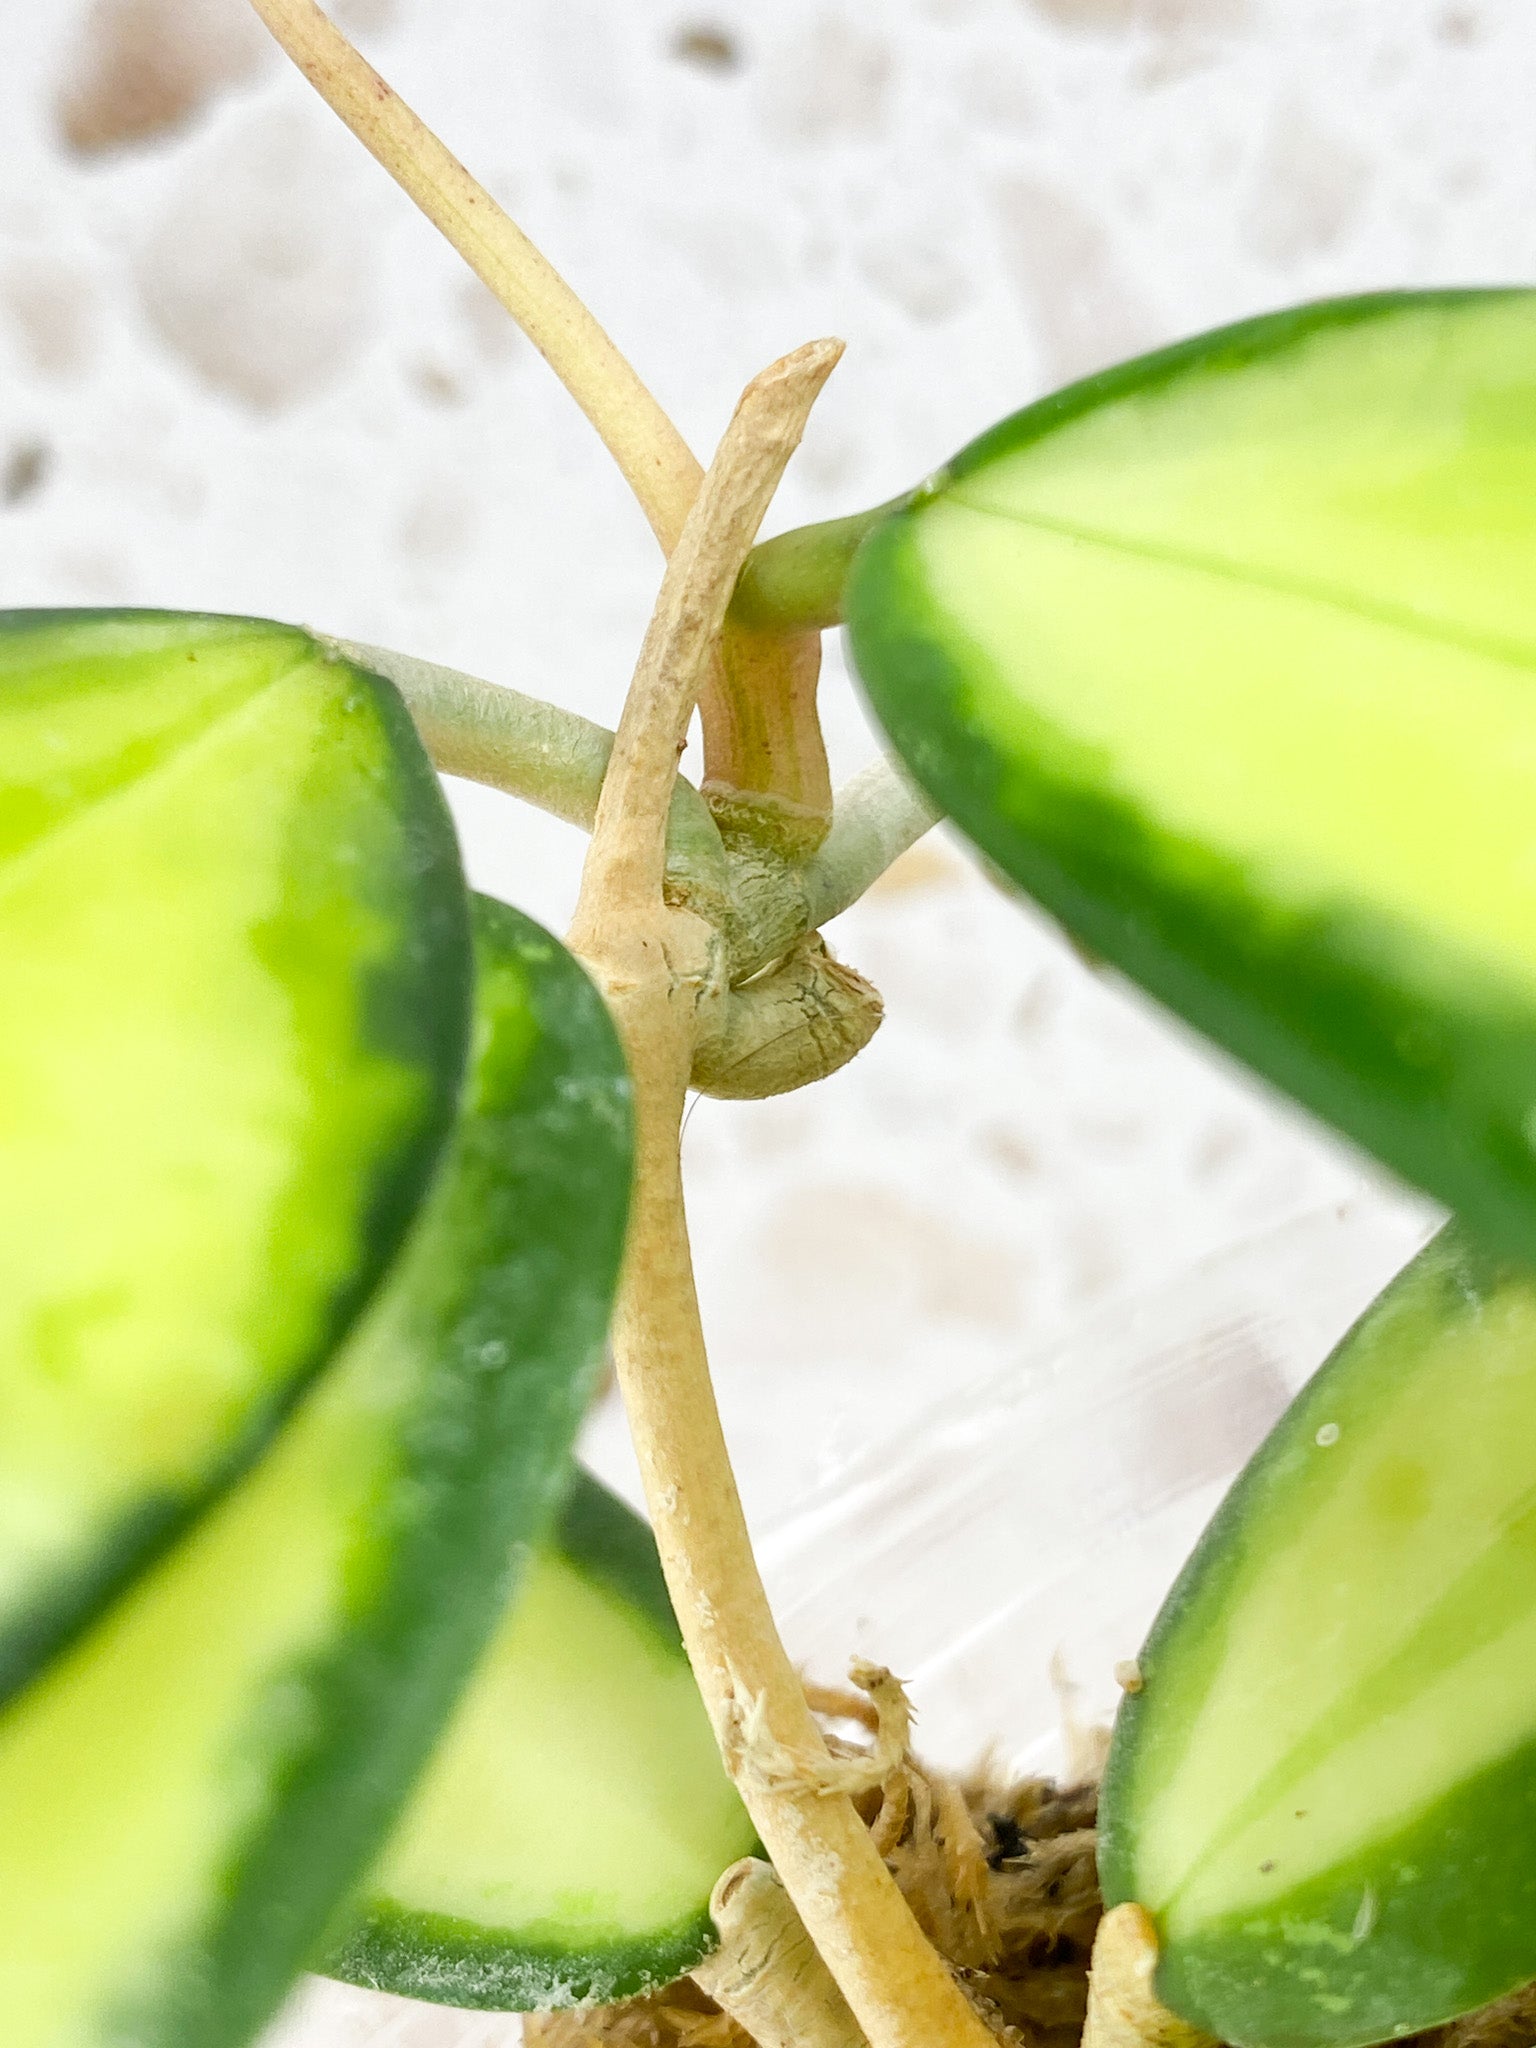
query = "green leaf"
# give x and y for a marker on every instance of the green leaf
(1229, 657)
(562, 1846)
(188, 1794)
(1325, 1792)
(237, 968)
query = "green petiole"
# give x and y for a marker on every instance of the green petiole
(556, 760)
(794, 582)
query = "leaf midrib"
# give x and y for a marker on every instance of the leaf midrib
(1399, 618)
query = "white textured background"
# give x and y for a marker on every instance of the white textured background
(238, 373)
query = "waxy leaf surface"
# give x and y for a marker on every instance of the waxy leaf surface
(1325, 1790)
(190, 1793)
(1229, 657)
(563, 1843)
(236, 960)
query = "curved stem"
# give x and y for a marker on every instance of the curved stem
(624, 864)
(765, 761)
(877, 817)
(656, 966)
(556, 760)
(757, 705)
(894, 1980)
(656, 462)
(551, 758)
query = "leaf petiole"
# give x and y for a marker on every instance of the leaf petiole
(556, 760)
(794, 582)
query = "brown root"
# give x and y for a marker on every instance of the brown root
(1508, 2023)
(681, 2016)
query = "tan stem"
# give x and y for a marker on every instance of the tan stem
(1123, 2009)
(758, 703)
(766, 1973)
(656, 966)
(765, 762)
(655, 460)
(624, 863)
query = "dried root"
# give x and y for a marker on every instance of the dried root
(1123, 2009)
(881, 1706)
(1001, 1877)
(766, 1974)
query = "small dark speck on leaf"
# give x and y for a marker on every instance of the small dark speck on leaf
(1265, 1868)
(26, 468)
(712, 49)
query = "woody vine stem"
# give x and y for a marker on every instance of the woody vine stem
(657, 966)
(673, 915)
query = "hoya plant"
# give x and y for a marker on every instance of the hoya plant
(327, 1184)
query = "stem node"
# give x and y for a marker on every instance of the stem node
(654, 963)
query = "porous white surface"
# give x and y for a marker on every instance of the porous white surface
(238, 373)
